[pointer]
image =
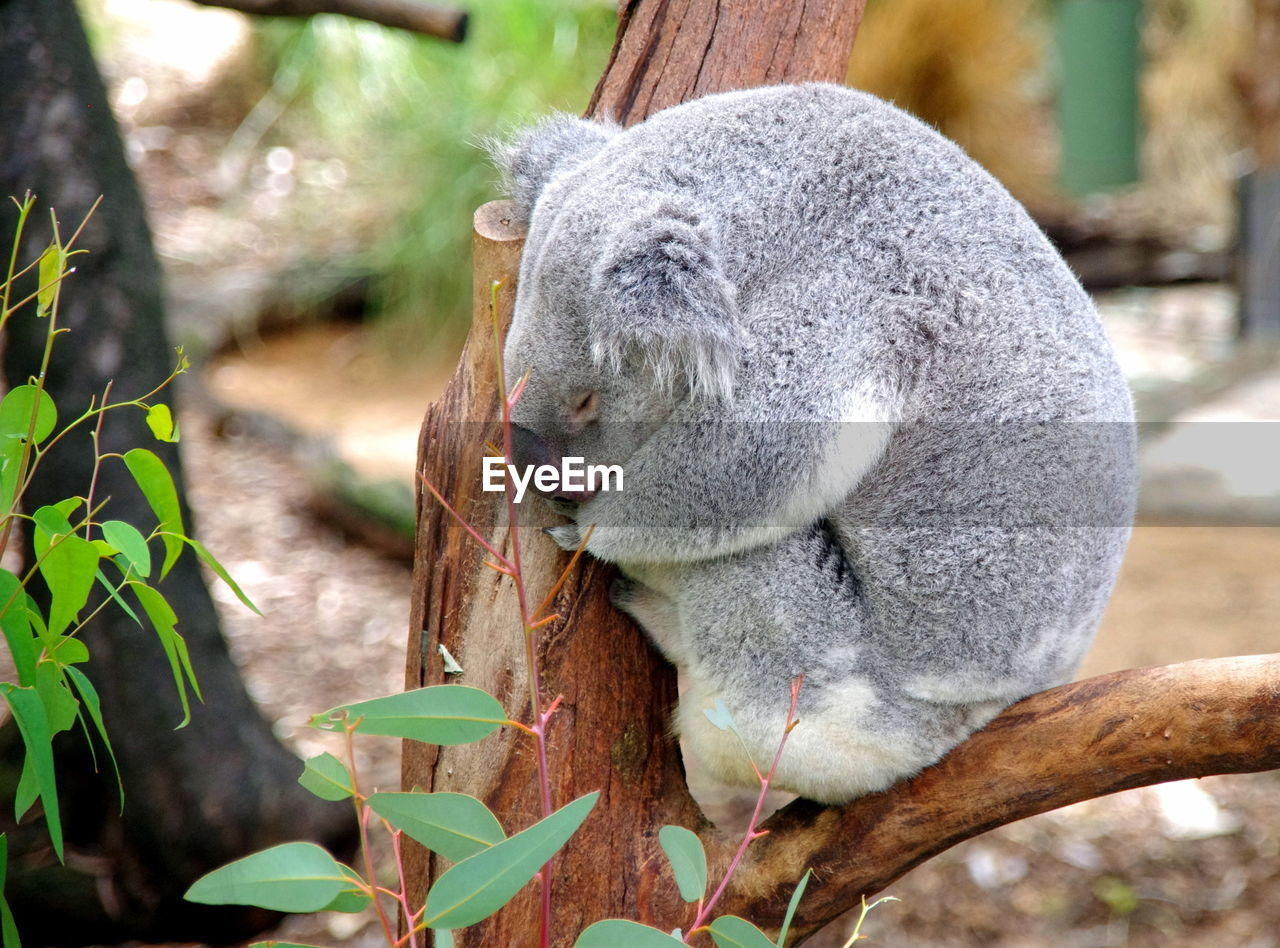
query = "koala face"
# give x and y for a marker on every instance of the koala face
(573, 406)
(616, 327)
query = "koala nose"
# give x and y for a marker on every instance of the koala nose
(529, 449)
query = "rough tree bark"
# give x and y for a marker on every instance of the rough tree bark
(223, 786)
(1074, 742)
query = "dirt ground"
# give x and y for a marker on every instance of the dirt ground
(1193, 863)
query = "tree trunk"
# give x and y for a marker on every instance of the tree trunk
(611, 733)
(222, 786)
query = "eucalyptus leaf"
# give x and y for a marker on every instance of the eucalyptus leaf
(132, 544)
(622, 933)
(326, 777)
(28, 713)
(477, 887)
(454, 825)
(352, 899)
(440, 714)
(292, 877)
(68, 567)
(153, 479)
(8, 929)
(208, 559)
(164, 621)
(730, 931)
(49, 273)
(16, 409)
(688, 861)
(160, 421)
(16, 625)
(792, 905)
(90, 702)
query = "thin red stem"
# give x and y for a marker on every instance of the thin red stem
(362, 820)
(705, 909)
(526, 618)
(466, 526)
(403, 894)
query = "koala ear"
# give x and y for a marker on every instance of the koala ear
(661, 295)
(537, 154)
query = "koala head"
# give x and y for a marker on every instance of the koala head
(623, 312)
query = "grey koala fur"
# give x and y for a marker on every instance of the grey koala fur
(871, 426)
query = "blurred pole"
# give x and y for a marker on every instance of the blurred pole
(1098, 55)
(1259, 256)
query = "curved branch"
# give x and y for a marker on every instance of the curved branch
(1079, 741)
(442, 22)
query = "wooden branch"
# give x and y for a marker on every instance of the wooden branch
(670, 51)
(444, 23)
(1082, 740)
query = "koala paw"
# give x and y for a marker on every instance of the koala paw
(622, 592)
(568, 536)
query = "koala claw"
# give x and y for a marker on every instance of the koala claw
(567, 536)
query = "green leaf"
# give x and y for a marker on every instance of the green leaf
(33, 725)
(352, 899)
(60, 705)
(8, 929)
(160, 421)
(477, 887)
(730, 931)
(796, 896)
(53, 521)
(10, 473)
(452, 824)
(621, 933)
(28, 788)
(17, 407)
(326, 777)
(89, 701)
(153, 479)
(164, 621)
(69, 650)
(115, 595)
(440, 714)
(207, 558)
(293, 877)
(128, 541)
(49, 274)
(688, 861)
(68, 567)
(17, 627)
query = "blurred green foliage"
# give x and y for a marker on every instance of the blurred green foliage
(408, 116)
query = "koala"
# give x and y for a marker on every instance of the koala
(873, 432)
